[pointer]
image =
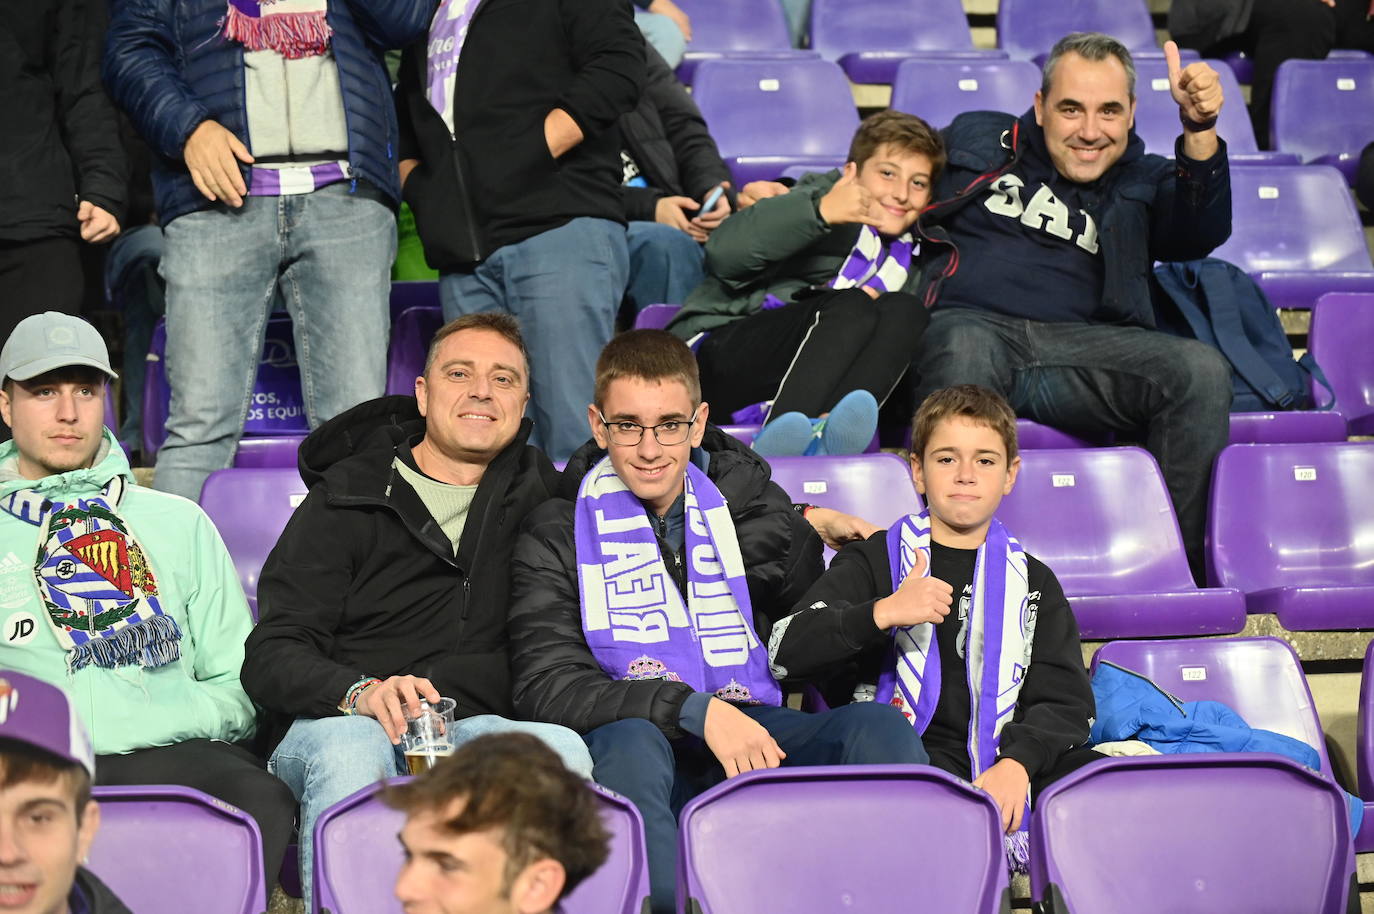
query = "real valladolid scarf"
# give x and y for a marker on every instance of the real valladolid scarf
(1000, 631)
(633, 616)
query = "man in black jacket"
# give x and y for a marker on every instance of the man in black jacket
(1048, 224)
(62, 169)
(389, 585)
(647, 604)
(672, 167)
(510, 160)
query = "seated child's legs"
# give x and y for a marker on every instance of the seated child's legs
(864, 733)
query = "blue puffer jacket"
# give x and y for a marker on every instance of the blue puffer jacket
(168, 66)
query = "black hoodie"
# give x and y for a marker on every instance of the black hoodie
(364, 582)
(94, 896)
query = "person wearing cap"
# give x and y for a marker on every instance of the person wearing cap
(122, 595)
(47, 817)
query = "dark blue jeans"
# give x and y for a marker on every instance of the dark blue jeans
(634, 758)
(1082, 378)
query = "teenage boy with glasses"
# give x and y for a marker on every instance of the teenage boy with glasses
(648, 604)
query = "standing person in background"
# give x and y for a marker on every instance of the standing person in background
(275, 176)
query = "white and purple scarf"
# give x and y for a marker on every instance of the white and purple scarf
(447, 32)
(292, 28)
(998, 649)
(632, 613)
(96, 582)
(883, 267)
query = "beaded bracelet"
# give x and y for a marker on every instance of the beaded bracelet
(350, 703)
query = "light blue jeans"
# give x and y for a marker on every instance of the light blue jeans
(663, 34)
(665, 264)
(323, 760)
(328, 256)
(564, 286)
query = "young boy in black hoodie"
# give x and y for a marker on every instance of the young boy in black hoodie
(904, 639)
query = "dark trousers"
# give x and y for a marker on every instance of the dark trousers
(806, 355)
(35, 277)
(634, 758)
(1083, 378)
(223, 770)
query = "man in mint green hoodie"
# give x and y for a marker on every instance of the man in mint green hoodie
(122, 595)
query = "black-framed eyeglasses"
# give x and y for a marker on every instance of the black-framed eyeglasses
(624, 433)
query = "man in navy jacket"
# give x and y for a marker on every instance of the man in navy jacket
(275, 175)
(1049, 224)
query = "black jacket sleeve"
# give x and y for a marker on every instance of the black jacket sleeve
(1056, 699)
(608, 54)
(699, 164)
(90, 130)
(557, 679)
(1191, 215)
(833, 621)
(301, 598)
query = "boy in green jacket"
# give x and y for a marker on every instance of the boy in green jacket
(122, 595)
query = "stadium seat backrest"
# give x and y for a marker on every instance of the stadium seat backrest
(728, 25)
(1192, 834)
(1293, 217)
(1027, 28)
(1324, 109)
(411, 333)
(413, 293)
(855, 831)
(250, 508)
(840, 27)
(355, 872)
(1292, 515)
(1261, 679)
(876, 487)
(941, 90)
(1101, 518)
(161, 848)
(800, 107)
(655, 317)
(1341, 339)
(1156, 112)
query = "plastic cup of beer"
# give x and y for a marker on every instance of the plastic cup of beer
(429, 735)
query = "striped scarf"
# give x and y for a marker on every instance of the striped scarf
(292, 28)
(1000, 633)
(881, 267)
(96, 582)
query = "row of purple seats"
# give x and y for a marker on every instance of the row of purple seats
(1323, 111)
(728, 30)
(869, 38)
(355, 872)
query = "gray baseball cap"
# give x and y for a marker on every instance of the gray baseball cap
(51, 340)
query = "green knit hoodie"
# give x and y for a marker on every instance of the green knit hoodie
(129, 707)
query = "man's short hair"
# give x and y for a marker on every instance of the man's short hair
(650, 355)
(897, 128)
(497, 322)
(515, 783)
(1093, 46)
(76, 374)
(971, 401)
(21, 763)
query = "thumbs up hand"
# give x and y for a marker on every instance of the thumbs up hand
(1196, 89)
(921, 598)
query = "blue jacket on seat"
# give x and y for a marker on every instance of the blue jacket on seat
(170, 68)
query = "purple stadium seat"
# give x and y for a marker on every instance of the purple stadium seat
(768, 114)
(250, 508)
(1295, 230)
(1364, 751)
(655, 317)
(279, 451)
(277, 406)
(745, 433)
(876, 487)
(1026, 28)
(1032, 436)
(940, 90)
(413, 293)
(1244, 68)
(869, 38)
(1183, 834)
(1288, 427)
(1101, 519)
(728, 30)
(1341, 339)
(355, 869)
(842, 838)
(160, 848)
(1292, 526)
(1323, 110)
(1156, 115)
(411, 333)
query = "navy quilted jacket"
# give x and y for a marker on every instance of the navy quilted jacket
(169, 68)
